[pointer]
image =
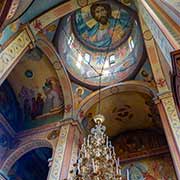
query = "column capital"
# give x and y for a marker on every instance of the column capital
(72, 122)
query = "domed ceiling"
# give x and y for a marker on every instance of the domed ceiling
(122, 114)
(103, 39)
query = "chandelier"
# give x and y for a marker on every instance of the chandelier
(97, 158)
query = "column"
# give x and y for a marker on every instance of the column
(66, 151)
(165, 102)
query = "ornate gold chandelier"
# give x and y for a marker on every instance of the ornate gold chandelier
(97, 158)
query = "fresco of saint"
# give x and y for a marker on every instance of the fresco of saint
(103, 29)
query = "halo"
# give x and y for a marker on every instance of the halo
(80, 89)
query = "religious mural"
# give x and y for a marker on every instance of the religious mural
(145, 74)
(137, 143)
(50, 30)
(123, 114)
(101, 40)
(35, 105)
(36, 8)
(154, 168)
(110, 45)
(80, 93)
(38, 92)
(102, 26)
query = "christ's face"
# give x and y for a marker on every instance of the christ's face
(101, 15)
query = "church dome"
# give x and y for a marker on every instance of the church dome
(103, 39)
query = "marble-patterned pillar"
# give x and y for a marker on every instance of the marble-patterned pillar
(66, 151)
(166, 104)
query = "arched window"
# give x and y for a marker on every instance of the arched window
(112, 60)
(87, 58)
(131, 43)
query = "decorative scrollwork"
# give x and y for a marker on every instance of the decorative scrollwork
(13, 51)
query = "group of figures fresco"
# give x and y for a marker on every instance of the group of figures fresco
(30, 103)
(34, 104)
(137, 143)
(156, 168)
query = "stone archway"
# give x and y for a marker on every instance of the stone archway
(92, 99)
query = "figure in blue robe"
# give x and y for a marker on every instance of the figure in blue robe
(100, 35)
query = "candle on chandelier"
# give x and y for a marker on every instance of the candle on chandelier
(120, 173)
(107, 141)
(88, 140)
(93, 165)
(79, 171)
(127, 174)
(110, 145)
(113, 151)
(84, 141)
(117, 166)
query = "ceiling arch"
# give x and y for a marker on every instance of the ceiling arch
(34, 88)
(51, 53)
(122, 106)
(131, 86)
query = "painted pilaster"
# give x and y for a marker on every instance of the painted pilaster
(166, 103)
(66, 151)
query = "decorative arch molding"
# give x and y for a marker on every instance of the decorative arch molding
(48, 49)
(53, 14)
(131, 86)
(9, 8)
(23, 149)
